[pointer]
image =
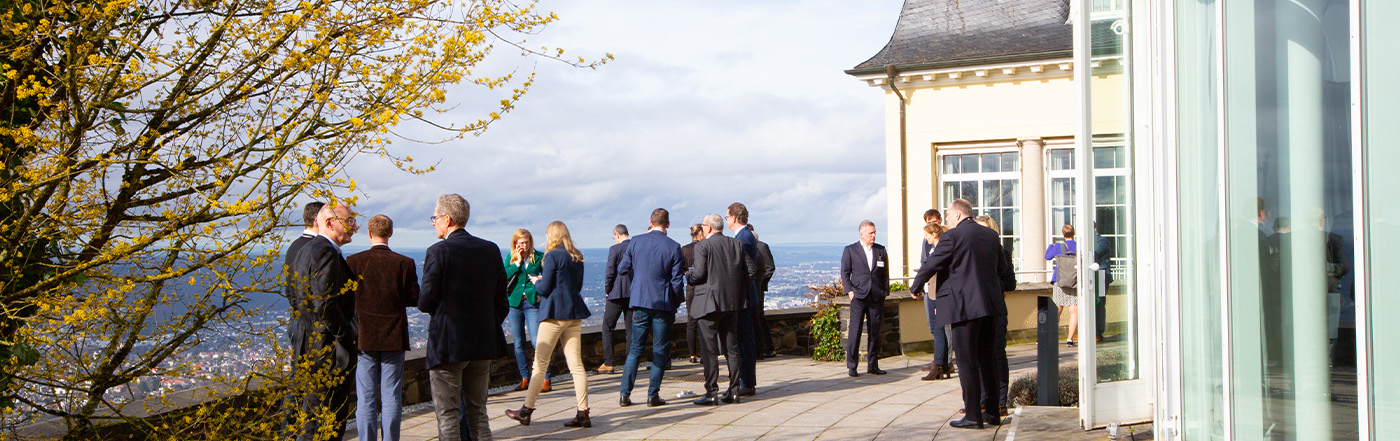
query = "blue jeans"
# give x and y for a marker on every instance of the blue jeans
(659, 323)
(379, 381)
(940, 334)
(520, 317)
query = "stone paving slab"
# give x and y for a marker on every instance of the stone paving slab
(798, 399)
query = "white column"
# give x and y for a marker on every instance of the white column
(1033, 240)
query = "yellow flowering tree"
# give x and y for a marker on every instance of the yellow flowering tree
(152, 148)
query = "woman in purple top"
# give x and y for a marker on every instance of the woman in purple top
(1065, 297)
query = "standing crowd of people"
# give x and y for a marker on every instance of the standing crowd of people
(349, 330)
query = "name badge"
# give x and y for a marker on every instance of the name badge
(880, 264)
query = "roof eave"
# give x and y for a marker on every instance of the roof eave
(862, 71)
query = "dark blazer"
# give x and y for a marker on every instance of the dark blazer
(968, 264)
(1102, 255)
(746, 237)
(560, 285)
(765, 263)
(654, 263)
(616, 286)
(325, 308)
(388, 284)
(858, 278)
(464, 289)
(721, 276)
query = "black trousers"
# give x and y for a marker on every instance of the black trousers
(870, 311)
(999, 358)
(973, 340)
(339, 397)
(611, 312)
(718, 331)
(692, 327)
(763, 337)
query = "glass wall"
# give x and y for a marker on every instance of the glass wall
(1109, 232)
(1200, 288)
(1289, 214)
(1382, 112)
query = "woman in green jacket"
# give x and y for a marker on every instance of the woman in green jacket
(523, 262)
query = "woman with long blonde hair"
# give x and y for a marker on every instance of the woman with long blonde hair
(562, 312)
(521, 266)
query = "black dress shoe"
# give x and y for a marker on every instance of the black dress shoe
(876, 371)
(745, 391)
(624, 401)
(965, 424)
(729, 398)
(769, 354)
(852, 372)
(707, 400)
(655, 401)
(694, 359)
(991, 420)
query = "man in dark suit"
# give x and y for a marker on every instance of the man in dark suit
(763, 336)
(656, 267)
(738, 221)
(865, 274)
(388, 284)
(721, 274)
(618, 289)
(324, 335)
(308, 217)
(464, 289)
(968, 265)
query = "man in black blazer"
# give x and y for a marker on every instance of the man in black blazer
(464, 290)
(865, 274)
(762, 334)
(968, 265)
(324, 331)
(308, 217)
(618, 291)
(721, 276)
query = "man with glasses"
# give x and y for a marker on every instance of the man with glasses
(324, 333)
(464, 290)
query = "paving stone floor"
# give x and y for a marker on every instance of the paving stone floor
(798, 399)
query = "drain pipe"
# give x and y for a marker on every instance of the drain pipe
(903, 170)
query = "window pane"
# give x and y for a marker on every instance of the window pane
(991, 193)
(969, 190)
(1198, 229)
(1383, 213)
(1008, 193)
(951, 164)
(1103, 190)
(1008, 224)
(1061, 159)
(1010, 162)
(950, 191)
(969, 163)
(1288, 148)
(991, 162)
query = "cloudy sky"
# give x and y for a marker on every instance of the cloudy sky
(707, 103)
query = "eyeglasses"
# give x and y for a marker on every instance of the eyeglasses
(346, 220)
(435, 217)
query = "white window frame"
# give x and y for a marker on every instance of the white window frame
(980, 178)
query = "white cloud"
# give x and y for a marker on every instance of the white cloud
(707, 103)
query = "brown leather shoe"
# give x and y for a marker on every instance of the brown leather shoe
(605, 369)
(546, 387)
(580, 420)
(522, 415)
(935, 373)
(524, 384)
(928, 368)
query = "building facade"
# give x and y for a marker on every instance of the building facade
(1235, 160)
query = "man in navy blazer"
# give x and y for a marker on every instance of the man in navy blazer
(738, 221)
(655, 265)
(865, 274)
(464, 290)
(968, 265)
(617, 288)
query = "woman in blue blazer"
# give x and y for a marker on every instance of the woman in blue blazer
(562, 312)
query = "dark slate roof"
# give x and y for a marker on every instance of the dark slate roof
(946, 33)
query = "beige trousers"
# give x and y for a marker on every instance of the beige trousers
(552, 332)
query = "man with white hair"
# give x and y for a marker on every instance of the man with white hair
(325, 332)
(721, 277)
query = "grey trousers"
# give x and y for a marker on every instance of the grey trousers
(461, 387)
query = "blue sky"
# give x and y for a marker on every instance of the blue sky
(707, 103)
